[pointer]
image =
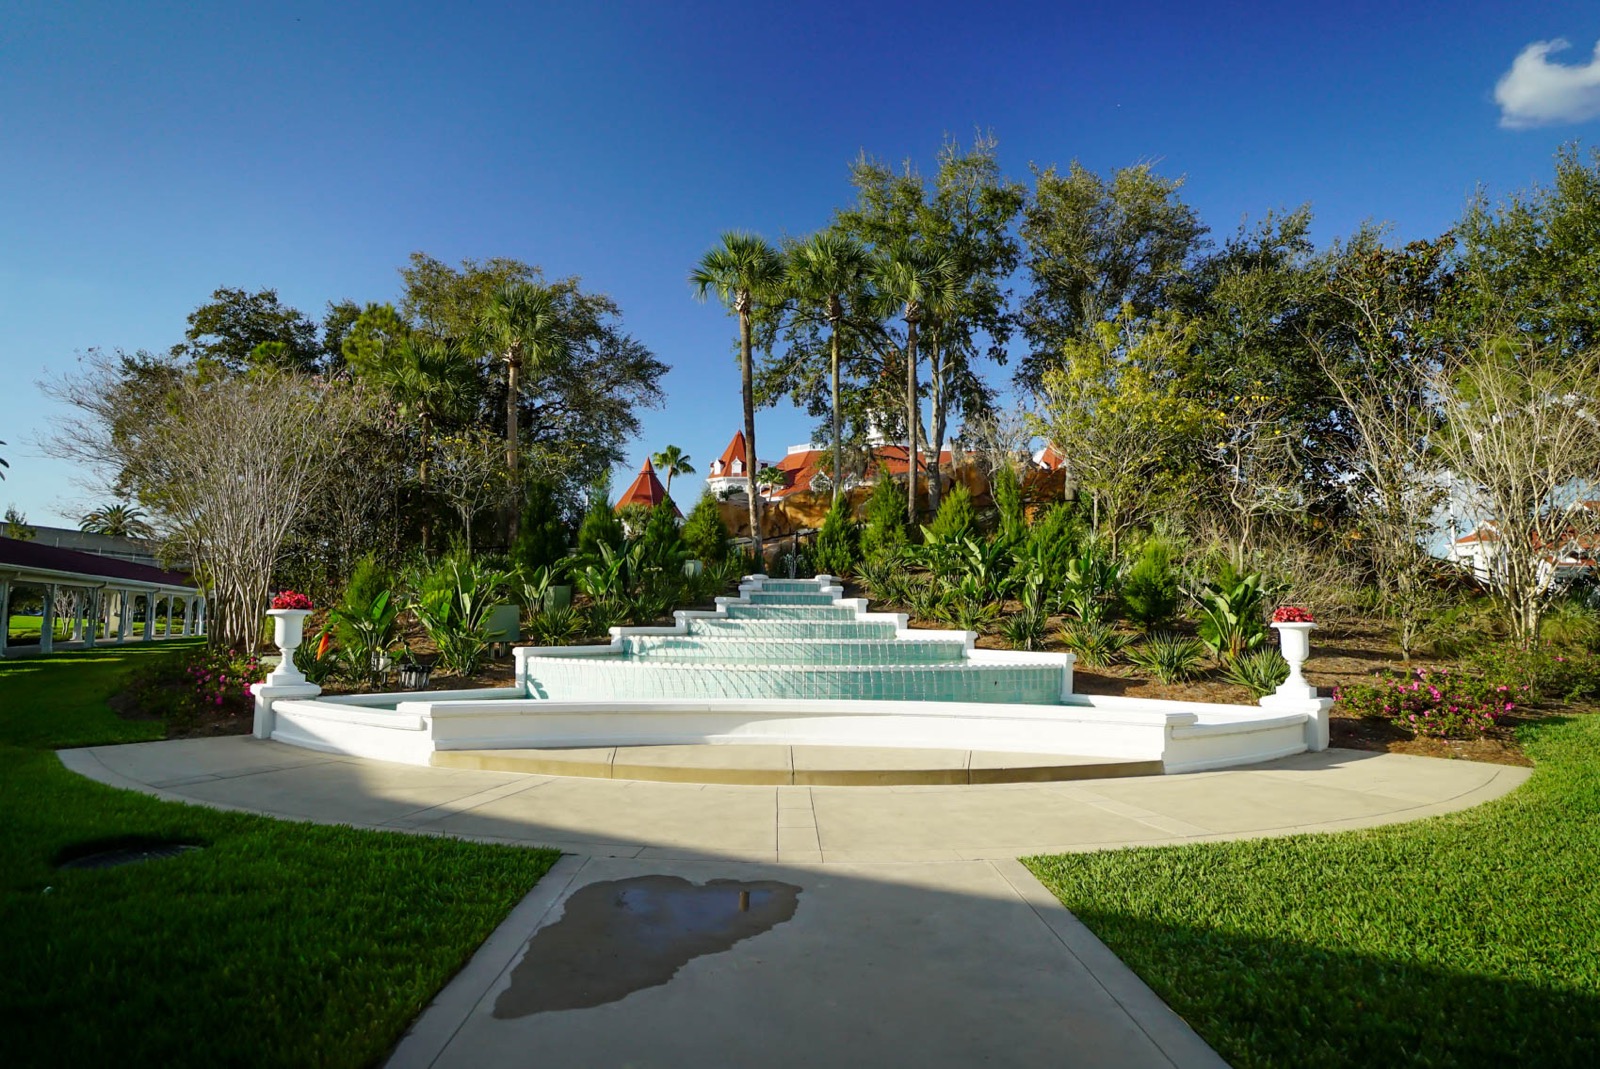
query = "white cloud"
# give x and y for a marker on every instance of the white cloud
(1537, 92)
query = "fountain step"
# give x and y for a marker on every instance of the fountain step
(789, 612)
(618, 677)
(808, 766)
(745, 649)
(715, 626)
(785, 597)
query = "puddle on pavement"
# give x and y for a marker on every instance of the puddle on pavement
(621, 936)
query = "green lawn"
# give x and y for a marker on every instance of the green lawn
(1471, 939)
(280, 943)
(26, 628)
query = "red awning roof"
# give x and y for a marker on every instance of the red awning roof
(15, 553)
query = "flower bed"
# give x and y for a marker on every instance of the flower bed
(1432, 702)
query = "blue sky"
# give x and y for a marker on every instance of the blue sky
(151, 153)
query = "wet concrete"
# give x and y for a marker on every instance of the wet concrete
(621, 936)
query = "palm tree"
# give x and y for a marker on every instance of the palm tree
(522, 325)
(908, 276)
(121, 521)
(742, 270)
(3, 464)
(429, 379)
(673, 461)
(823, 270)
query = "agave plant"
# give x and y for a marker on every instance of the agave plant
(557, 626)
(1025, 630)
(1170, 658)
(1260, 672)
(1096, 644)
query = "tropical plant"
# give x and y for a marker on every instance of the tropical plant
(1090, 586)
(825, 270)
(318, 662)
(601, 616)
(1097, 644)
(925, 599)
(1259, 671)
(606, 578)
(673, 461)
(121, 521)
(522, 324)
(453, 606)
(742, 270)
(1232, 620)
(1170, 658)
(967, 605)
(367, 635)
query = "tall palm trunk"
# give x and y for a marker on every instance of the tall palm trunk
(913, 317)
(422, 478)
(936, 373)
(836, 313)
(513, 450)
(741, 305)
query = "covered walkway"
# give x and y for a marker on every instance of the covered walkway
(84, 600)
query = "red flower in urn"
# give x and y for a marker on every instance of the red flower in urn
(1292, 614)
(291, 599)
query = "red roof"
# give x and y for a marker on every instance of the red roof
(1051, 458)
(645, 490)
(723, 466)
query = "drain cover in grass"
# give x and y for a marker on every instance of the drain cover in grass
(106, 854)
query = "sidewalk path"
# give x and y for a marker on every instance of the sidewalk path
(886, 926)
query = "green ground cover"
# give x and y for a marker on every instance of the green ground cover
(1470, 939)
(280, 943)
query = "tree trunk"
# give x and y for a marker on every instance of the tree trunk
(838, 449)
(913, 316)
(742, 306)
(422, 480)
(936, 445)
(513, 444)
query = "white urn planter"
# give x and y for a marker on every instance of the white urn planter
(288, 629)
(1294, 639)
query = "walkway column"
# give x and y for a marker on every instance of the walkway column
(5, 613)
(47, 620)
(149, 631)
(124, 617)
(168, 632)
(91, 617)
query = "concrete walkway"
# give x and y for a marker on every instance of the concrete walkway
(914, 938)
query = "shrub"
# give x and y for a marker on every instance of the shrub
(704, 532)
(1007, 490)
(542, 531)
(1170, 658)
(837, 541)
(601, 616)
(955, 521)
(1259, 671)
(1539, 671)
(1150, 591)
(886, 518)
(1051, 544)
(600, 527)
(1432, 701)
(1096, 644)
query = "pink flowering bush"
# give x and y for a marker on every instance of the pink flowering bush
(291, 599)
(1432, 701)
(1292, 614)
(202, 686)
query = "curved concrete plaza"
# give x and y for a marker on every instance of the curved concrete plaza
(918, 938)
